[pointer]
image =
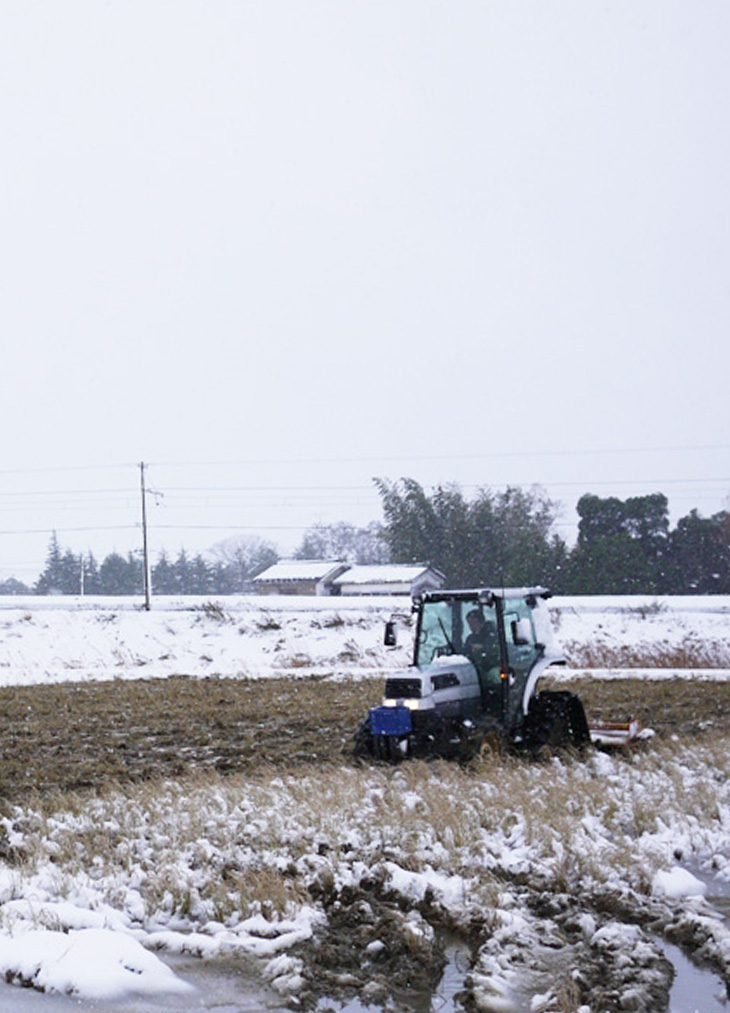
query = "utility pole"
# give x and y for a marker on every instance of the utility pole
(145, 552)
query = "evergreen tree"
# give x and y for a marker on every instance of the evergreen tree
(699, 555)
(51, 579)
(120, 576)
(621, 547)
(71, 578)
(226, 579)
(200, 577)
(92, 584)
(181, 571)
(163, 576)
(413, 531)
(14, 586)
(612, 564)
(135, 573)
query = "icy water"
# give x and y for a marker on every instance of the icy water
(697, 990)
(228, 986)
(220, 986)
(694, 990)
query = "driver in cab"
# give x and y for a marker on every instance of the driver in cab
(482, 645)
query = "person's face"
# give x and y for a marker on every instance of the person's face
(476, 623)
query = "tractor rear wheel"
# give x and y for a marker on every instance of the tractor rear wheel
(556, 720)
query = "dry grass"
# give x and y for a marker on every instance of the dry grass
(208, 846)
(692, 652)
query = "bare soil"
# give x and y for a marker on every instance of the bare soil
(89, 735)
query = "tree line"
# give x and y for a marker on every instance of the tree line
(508, 539)
(229, 570)
(504, 538)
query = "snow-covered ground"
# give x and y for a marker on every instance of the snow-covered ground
(44, 640)
(570, 857)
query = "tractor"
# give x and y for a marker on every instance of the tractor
(472, 687)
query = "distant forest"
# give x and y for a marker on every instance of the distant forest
(493, 539)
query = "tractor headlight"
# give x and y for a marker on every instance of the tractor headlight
(412, 705)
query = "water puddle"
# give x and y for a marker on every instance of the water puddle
(695, 989)
(231, 986)
(220, 986)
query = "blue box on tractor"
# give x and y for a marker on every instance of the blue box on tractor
(390, 721)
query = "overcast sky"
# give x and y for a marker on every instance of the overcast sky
(297, 243)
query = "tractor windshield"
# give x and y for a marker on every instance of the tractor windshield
(458, 627)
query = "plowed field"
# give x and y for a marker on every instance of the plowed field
(89, 735)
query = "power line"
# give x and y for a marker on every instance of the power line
(50, 530)
(481, 455)
(128, 492)
(448, 457)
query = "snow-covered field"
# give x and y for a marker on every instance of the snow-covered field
(569, 873)
(44, 640)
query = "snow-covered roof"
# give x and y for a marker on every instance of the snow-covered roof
(301, 569)
(392, 573)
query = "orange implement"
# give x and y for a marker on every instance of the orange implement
(615, 733)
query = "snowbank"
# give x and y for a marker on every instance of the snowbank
(93, 963)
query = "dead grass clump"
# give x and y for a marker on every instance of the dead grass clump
(652, 608)
(691, 652)
(563, 997)
(213, 610)
(350, 653)
(267, 622)
(333, 621)
(299, 660)
(254, 890)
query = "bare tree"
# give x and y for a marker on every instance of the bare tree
(242, 558)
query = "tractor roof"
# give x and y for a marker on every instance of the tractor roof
(484, 594)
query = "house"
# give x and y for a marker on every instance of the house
(392, 578)
(300, 576)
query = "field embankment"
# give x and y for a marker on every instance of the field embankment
(50, 640)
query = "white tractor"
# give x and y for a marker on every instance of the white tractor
(473, 685)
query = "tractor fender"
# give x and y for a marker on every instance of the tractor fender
(535, 675)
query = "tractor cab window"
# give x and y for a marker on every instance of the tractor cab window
(519, 631)
(436, 633)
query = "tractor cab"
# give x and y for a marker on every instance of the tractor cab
(505, 634)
